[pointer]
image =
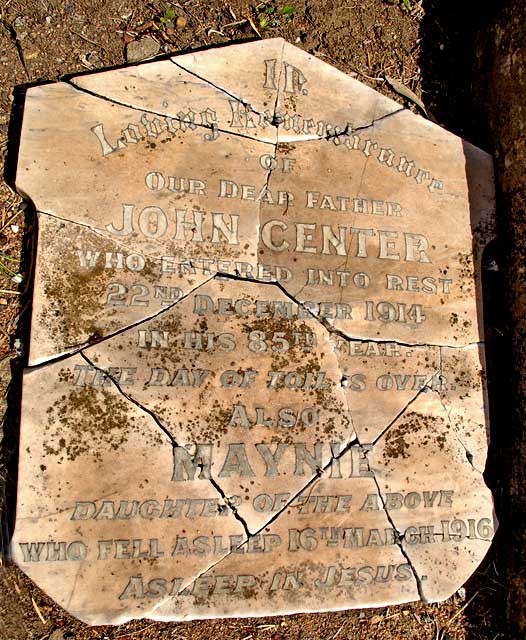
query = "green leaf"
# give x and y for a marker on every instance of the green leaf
(169, 13)
(288, 10)
(407, 4)
(263, 22)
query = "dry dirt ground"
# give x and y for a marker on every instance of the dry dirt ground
(418, 43)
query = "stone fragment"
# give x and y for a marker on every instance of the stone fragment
(142, 49)
(256, 379)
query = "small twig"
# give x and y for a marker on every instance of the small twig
(462, 608)
(234, 24)
(96, 44)
(324, 55)
(393, 615)
(42, 619)
(440, 632)
(366, 76)
(10, 220)
(337, 632)
(16, 293)
(251, 22)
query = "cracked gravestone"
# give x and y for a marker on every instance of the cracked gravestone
(256, 373)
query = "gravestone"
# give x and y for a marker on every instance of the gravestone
(256, 373)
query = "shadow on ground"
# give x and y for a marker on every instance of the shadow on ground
(457, 53)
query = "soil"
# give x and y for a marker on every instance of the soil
(428, 49)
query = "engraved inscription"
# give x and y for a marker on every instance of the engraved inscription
(256, 372)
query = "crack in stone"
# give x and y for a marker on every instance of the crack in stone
(336, 132)
(277, 118)
(59, 511)
(422, 390)
(242, 101)
(311, 482)
(469, 455)
(213, 127)
(232, 508)
(353, 440)
(399, 537)
(131, 399)
(317, 476)
(245, 103)
(166, 431)
(192, 581)
(379, 119)
(98, 232)
(334, 330)
(274, 154)
(118, 332)
(73, 587)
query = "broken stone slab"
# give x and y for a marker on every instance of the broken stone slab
(345, 227)
(422, 448)
(260, 395)
(256, 380)
(95, 495)
(145, 90)
(321, 558)
(79, 269)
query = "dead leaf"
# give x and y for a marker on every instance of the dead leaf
(404, 91)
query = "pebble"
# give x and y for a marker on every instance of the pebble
(18, 347)
(142, 49)
(181, 22)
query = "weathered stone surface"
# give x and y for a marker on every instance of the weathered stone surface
(256, 376)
